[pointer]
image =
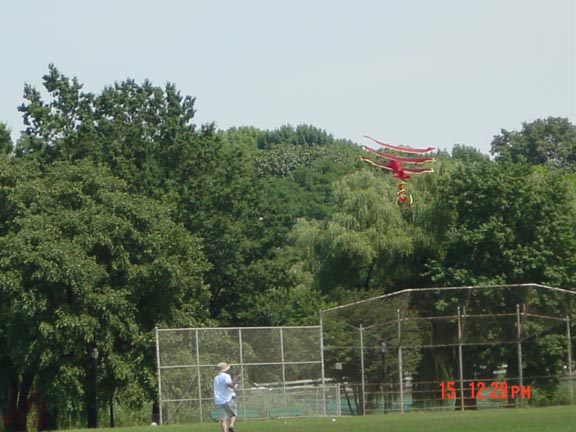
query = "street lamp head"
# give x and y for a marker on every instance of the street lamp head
(383, 347)
(94, 353)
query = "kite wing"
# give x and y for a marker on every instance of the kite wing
(418, 170)
(387, 166)
(392, 165)
(401, 148)
(417, 160)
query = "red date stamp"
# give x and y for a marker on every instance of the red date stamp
(483, 390)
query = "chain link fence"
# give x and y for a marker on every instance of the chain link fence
(280, 370)
(419, 349)
(453, 348)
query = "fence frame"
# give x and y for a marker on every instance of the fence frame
(198, 365)
(521, 317)
(399, 322)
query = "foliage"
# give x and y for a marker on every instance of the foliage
(85, 264)
(246, 236)
(209, 179)
(143, 133)
(301, 136)
(511, 224)
(550, 142)
(368, 242)
(467, 154)
(5, 139)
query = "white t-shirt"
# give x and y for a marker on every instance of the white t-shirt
(222, 391)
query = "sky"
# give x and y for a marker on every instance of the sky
(415, 72)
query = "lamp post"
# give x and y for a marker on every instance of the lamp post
(383, 350)
(92, 413)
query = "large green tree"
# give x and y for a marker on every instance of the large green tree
(368, 243)
(509, 223)
(550, 141)
(146, 136)
(84, 264)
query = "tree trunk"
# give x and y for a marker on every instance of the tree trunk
(156, 412)
(9, 407)
(47, 419)
(23, 406)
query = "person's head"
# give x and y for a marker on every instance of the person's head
(222, 367)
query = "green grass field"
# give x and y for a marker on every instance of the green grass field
(554, 419)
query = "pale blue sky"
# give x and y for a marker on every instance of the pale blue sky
(415, 72)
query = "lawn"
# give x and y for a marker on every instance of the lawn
(554, 419)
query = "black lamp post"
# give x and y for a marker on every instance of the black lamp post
(92, 413)
(383, 350)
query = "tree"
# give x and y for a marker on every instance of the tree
(85, 264)
(245, 214)
(146, 137)
(550, 142)
(143, 133)
(301, 135)
(467, 154)
(243, 224)
(509, 223)
(304, 147)
(5, 139)
(58, 129)
(302, 164)
(368, 243)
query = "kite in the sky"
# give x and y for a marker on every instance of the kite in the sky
(396, 163)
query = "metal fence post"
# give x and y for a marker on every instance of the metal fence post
(460, 360)
(199, 376)
(159, 369)
(569, 349)
(519, 347)
(362, 370)
(400, 379)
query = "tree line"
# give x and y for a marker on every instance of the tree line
(119, 214)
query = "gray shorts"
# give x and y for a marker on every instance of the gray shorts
(227, 410)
